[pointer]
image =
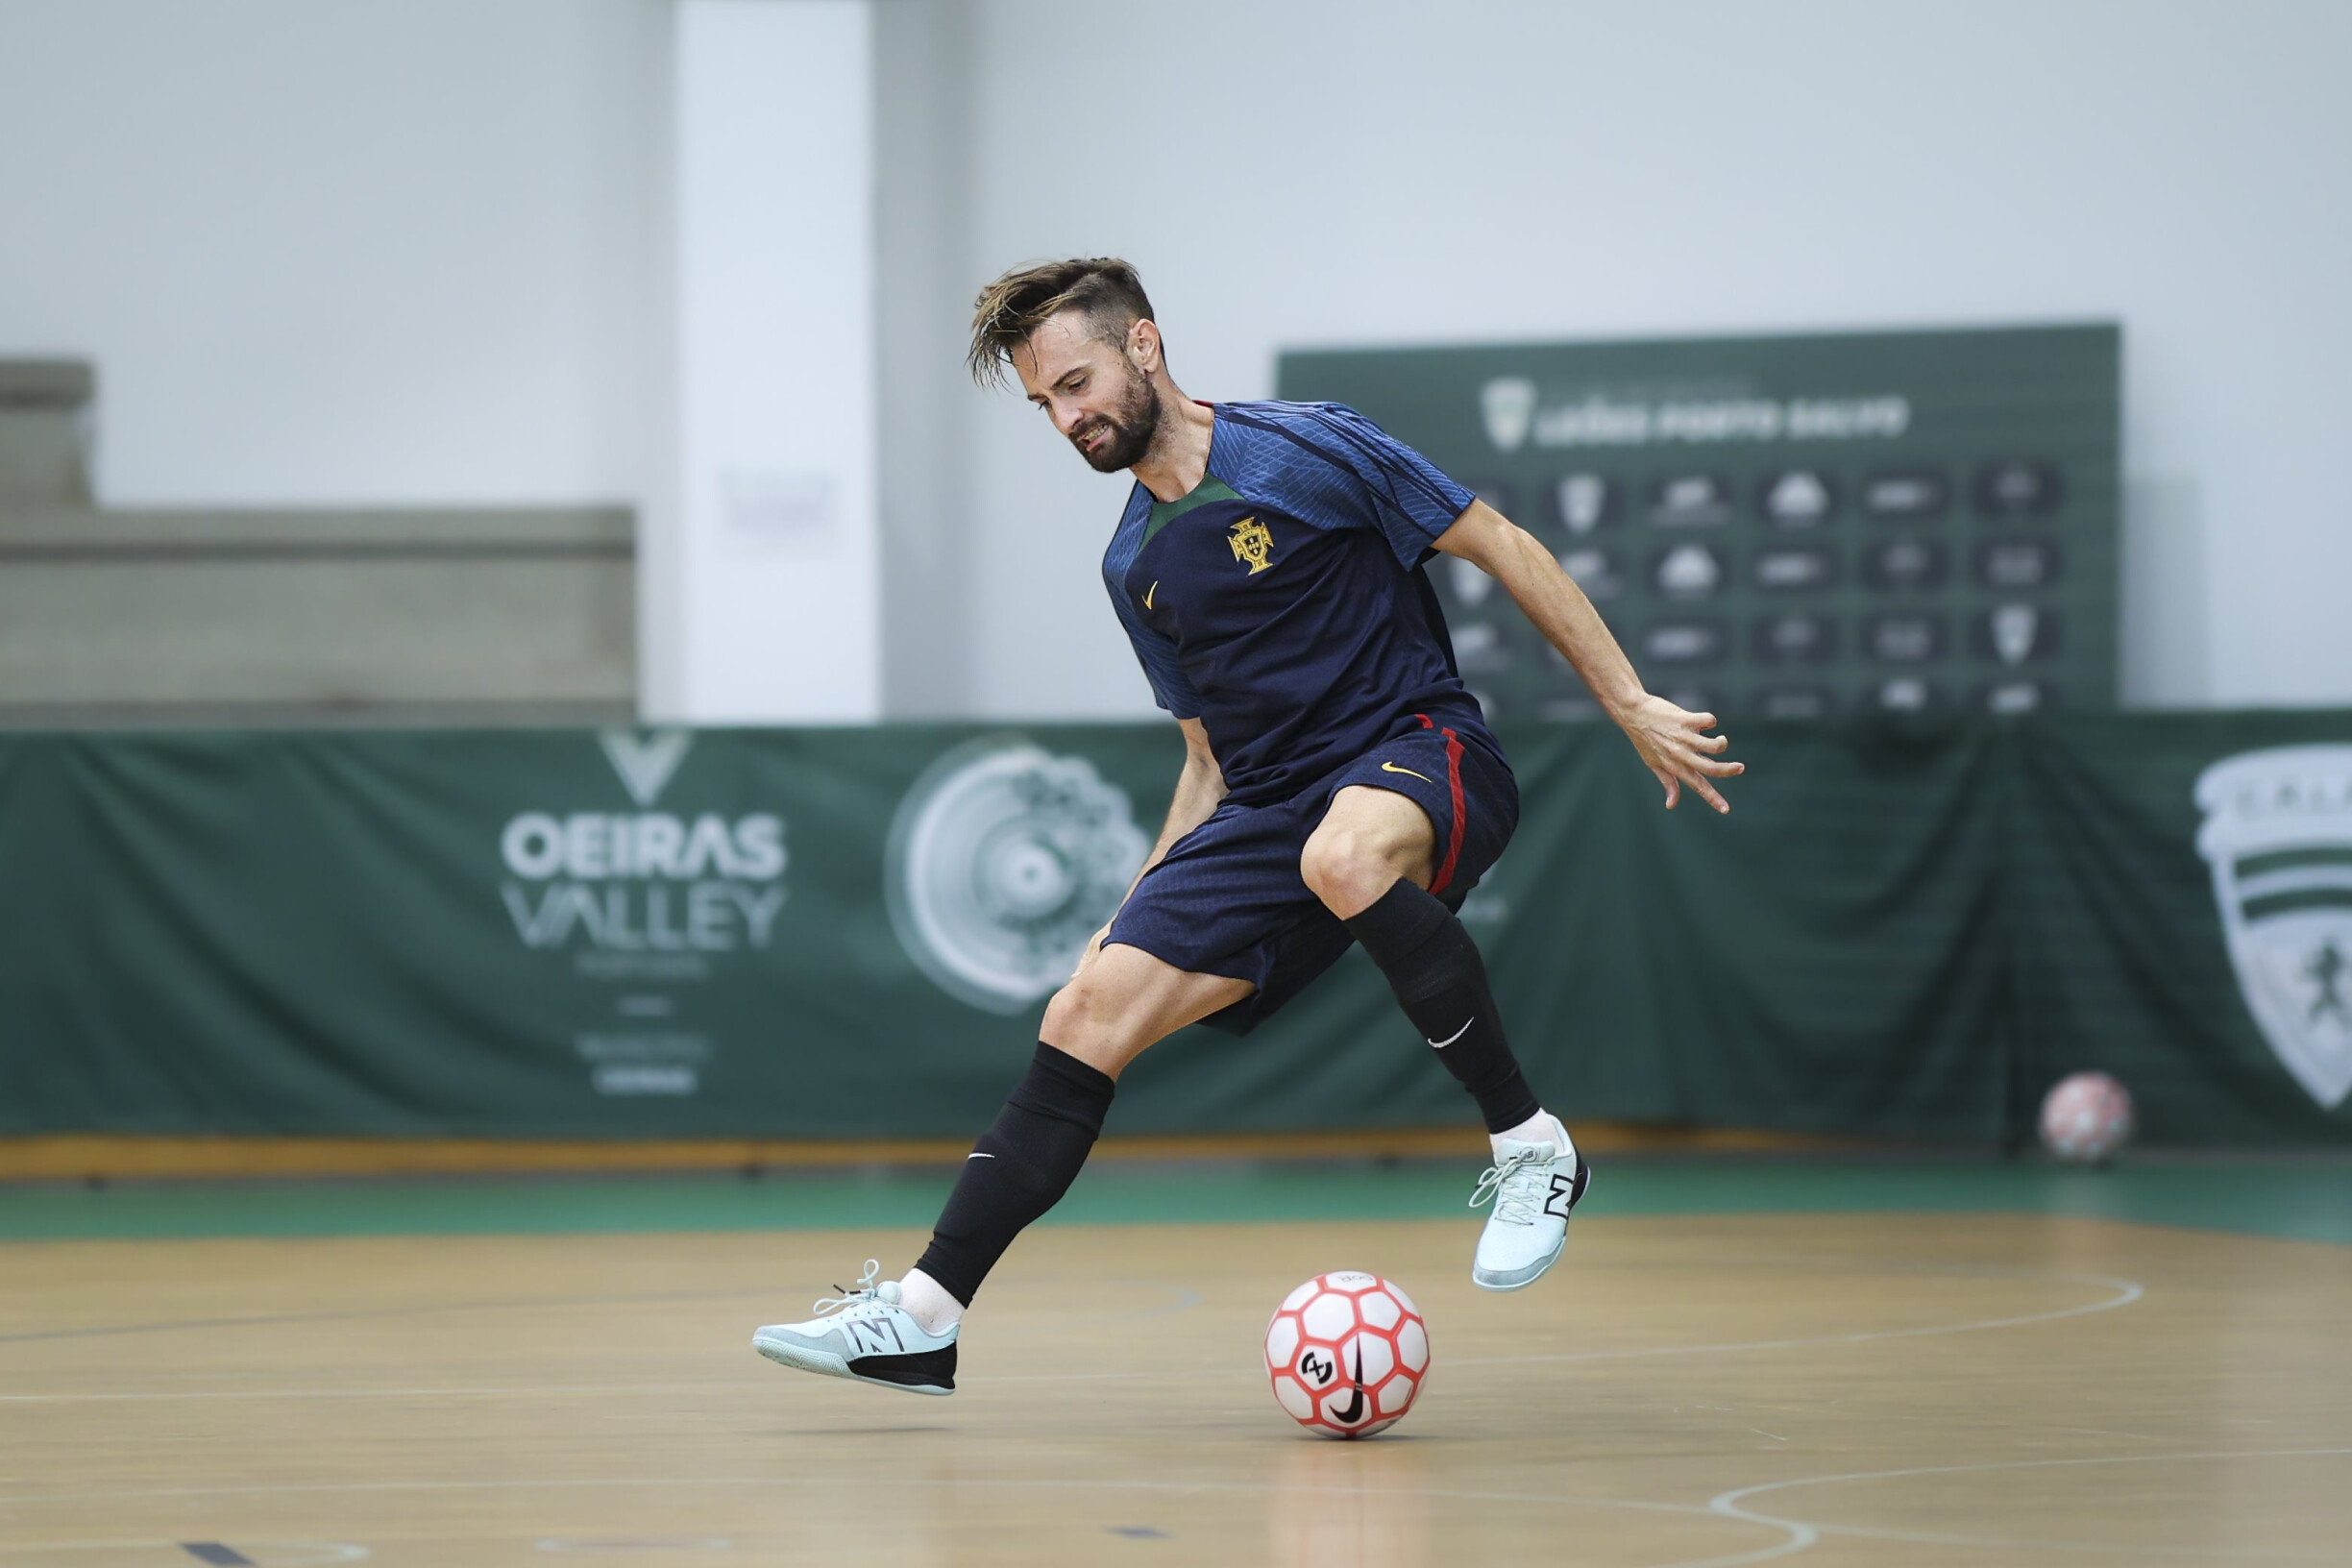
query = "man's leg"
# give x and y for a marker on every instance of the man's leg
(1371, 861)
(1121, 1000)
(902, 1332)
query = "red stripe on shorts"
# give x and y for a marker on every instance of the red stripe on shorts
(1454, 783)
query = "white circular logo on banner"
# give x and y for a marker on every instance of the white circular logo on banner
(1002, 862)
(2278, 835)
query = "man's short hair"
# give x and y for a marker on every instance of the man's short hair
(1104, 287)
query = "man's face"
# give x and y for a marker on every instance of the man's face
(1092, 390)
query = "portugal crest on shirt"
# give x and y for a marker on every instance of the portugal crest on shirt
(1253, 542)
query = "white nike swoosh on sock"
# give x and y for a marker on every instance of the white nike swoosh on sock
(992, 1157)
(1441, 1044)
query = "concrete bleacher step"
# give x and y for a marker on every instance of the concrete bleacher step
(467, 614)
(406, 614)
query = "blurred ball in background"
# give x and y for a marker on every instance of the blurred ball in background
(2085, 1117)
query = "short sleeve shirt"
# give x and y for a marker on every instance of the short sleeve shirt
(1282, 601)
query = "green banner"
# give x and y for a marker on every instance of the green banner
(1907, 927)
(1790, 526)
(2181, 913)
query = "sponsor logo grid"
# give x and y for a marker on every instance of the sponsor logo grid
(1905, 533)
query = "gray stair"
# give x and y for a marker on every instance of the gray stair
(489, 615)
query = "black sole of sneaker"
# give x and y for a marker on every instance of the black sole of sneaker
(931, 1372)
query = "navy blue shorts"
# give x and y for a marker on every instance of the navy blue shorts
(1228, 898)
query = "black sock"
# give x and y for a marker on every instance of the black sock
(1433, 968)
(1019, 1168)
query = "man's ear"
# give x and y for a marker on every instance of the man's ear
(1143, 344)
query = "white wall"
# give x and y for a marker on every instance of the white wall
(412, 251)
(1397, 172)
(340, 253)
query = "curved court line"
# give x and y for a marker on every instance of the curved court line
(1799, 1535)
(2126, 1291)
(1729, 1505)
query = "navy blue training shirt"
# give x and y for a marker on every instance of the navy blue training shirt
(1282, 601)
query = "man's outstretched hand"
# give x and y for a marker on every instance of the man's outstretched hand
(1673, 741)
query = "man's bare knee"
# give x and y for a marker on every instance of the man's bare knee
(1347, 869)
(1101, 1018)
(1329, 861)
(1126, 1000)
(1077, 1015)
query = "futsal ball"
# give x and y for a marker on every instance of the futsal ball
(1346, 1353)
(2085, 1117)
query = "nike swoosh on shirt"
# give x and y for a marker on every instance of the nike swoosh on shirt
(1392, 768)
(1441, 1044)
(972, 1157)
(1147, 594)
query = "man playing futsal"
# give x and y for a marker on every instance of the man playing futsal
(1339, 783)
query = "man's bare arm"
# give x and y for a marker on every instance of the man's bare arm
(1199, 788)
(1671, 741)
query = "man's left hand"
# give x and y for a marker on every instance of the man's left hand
(1673, 741)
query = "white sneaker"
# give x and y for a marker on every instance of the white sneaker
(864, 1335)
(1534, 1185)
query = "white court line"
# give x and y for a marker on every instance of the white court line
(559, 1390)
(2126, 1291)
(337, 1551)
(1799, 1535)
(1184, 1298)
(486, 1392)
(1729, 1505)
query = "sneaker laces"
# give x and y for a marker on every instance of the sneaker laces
(865, 1291)
(1512, 1183)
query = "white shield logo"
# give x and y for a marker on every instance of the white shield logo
(1002, 862)
(2014, 626)
(2278, 835)
(1509, 405)
(1583, 498)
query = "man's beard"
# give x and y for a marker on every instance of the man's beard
(1132, 427)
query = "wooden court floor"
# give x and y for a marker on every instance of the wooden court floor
(1835, 1390)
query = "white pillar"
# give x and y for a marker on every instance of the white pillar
(768, 531)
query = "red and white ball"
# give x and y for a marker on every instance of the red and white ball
(1347, 1353)
(2085, 1117)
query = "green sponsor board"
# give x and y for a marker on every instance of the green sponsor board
(1905, 928)
(1788, 526)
